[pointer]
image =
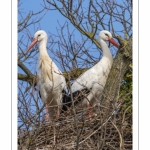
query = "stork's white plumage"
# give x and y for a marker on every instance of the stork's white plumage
(94, 79)
(51, 83)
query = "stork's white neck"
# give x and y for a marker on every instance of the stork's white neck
(42, 47)
(45, 63)
(105, 49)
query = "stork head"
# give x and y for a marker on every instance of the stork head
(38, 37)
(107, 36)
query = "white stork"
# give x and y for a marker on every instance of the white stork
(52, 84)
(92, 82)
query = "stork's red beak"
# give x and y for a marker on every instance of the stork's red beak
(32, 44)
(113, 42)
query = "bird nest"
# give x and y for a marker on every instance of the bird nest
(78, 131)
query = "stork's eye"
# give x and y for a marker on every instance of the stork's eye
(106, 34)
(39, 35)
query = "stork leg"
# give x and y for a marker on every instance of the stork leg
(90, 112)
(47, 114)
